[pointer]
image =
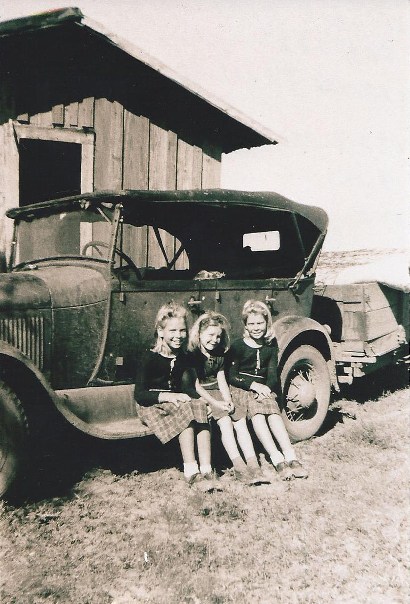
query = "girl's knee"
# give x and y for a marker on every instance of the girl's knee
(258, 418)
(203, 428)
(224, 420)
(240, 424)
(186, 430)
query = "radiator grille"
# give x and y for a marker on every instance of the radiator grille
(26, 334)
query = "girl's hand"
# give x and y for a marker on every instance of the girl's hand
(230, 407)
(224, 406)
(176, 398)
(261, 389)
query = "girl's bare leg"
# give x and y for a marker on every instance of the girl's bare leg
(244, 439)
(229, 443)
(203, 439)
(280, 433)
(228, 437)
(264, 434)
(186, 443)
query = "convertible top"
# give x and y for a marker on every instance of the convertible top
(210, 197)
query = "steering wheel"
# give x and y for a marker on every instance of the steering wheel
(129, 262)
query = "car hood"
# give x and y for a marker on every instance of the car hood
(52, 287)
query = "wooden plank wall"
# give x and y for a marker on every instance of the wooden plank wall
(135, 176)
(4, 236)
(162, 175)
(130, 153)
(9, 184)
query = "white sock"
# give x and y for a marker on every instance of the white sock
(190, 469)
(206, 468)
(276, 458)
(289, 454)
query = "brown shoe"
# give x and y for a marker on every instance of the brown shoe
(258, 476)
(298, 471)
(246, 477)
(193, 480)
(209, 483)
(285, 473)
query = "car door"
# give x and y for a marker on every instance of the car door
(230, 295)
(161, 274)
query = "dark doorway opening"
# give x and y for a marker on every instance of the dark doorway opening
(48, 170)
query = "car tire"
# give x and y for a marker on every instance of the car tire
(13, 441)
(306, 387)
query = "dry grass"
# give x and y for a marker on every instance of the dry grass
(339, 536)
(331, 263)
(117, 536)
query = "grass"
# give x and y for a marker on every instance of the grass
(119, 538)
(101, 532)
(331, 263)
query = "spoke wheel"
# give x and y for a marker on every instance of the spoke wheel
(306, 392)
(13, 440)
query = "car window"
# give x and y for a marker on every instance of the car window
(264, 241)
(155, 251)
(184, 240)
(78, 232)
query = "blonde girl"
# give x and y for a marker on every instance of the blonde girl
(208, 343)
(254, 383)
(161, 403)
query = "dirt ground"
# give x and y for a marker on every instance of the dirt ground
(118, 525)
(114, 522)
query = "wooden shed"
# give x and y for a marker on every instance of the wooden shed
(81, 110)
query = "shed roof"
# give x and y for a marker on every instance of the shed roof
(248, 133)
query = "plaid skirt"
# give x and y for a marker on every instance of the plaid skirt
(166, 420)
(253, 403)
(238, 413)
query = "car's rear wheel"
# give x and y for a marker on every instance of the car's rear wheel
(13, 440)
(306, 389)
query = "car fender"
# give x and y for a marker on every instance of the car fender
(292, 331)
(7, 351)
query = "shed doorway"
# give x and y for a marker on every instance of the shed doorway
(48, 170)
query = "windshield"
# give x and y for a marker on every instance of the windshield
(78, 232)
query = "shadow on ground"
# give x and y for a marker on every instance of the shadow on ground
(70, 454)
(367, 388)
(375, 385)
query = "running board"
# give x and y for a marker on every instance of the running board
(107, 412)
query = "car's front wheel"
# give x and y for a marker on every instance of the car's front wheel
(306, 389)
(13, 440)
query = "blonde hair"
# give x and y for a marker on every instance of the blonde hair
(168, 311)
(258, 308)
(209, 318)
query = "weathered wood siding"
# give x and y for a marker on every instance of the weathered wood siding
(9, 189)
(109, 136)
(131, 152)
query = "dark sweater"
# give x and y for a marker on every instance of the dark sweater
(156, 373)
(206, 368)
(246, 365)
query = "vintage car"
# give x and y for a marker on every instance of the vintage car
(88, 273)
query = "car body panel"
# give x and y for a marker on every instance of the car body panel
(155, 246)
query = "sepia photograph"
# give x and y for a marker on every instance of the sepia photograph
(204, 301)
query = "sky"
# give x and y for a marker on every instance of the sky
(329, 77)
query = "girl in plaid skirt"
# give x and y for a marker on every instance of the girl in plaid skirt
(253, 363)
(208, 342)
(162, 405)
